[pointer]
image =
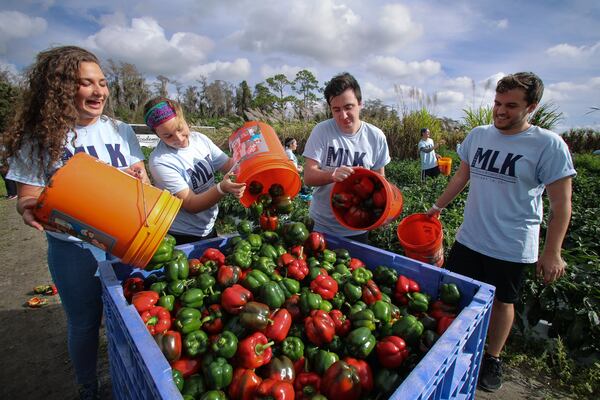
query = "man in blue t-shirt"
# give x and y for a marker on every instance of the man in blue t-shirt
(335, 146)
(508, 165)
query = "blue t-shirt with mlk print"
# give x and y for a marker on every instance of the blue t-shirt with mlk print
(332, 148)
(190, 168)
(508, 175)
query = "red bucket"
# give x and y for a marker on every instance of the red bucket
(422, 238)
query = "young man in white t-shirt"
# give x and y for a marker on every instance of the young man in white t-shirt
(335, 146)
(429, 159)
(508, 166)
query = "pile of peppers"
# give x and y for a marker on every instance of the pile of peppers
(361, 203)
(276, 314)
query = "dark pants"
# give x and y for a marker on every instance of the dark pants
(11, 186)
(183, 239)
(432, 172)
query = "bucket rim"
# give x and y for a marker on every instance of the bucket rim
(413, 218)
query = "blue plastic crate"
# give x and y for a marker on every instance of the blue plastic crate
(448, 371)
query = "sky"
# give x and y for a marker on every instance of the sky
(450, 52)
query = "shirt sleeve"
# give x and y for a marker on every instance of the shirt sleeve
(384, 152)
(135, 150)
(313, 148)
(555, 162)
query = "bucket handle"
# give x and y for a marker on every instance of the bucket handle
(144, 203)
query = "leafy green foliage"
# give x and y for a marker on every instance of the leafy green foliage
(546, 116)
(475, 117)
(582, 140)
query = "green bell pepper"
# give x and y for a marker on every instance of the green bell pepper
(166, 301)
(338, 300)
(326, 306)
(313, 262)
(309, 301)
(205, 281)
(195, 343)
(352, 292)
(163, 253)
(177, 269)
(342, 269)
(177, 379)
(327, 266)
(264, 264)
(385, 276)
(329, 256)
(269, 251)
(193, 298)
(194, 386)
(295, 233)
(323, 360)
(256, 209)
(336, 345)
(269, 237)
(342, 255)
(361, 275)
(382, 311)
(254, 280)
(364, 318)
(450, 294)
(188, 320)
(272, 295)
(255, 241)
(243, 246)
(218, 372)
(289, 286)
(225, 345)
(176, 288)
(408, 328)
(293, 348)
(214, 395)
(241, 258)
(360, 342)
(159, 287)
(244, 228)
(418, 302)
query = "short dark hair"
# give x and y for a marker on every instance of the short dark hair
(288, 141)
(423, 130)
(528, 81)
(339, 84)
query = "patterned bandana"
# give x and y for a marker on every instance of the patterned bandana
(159, 114)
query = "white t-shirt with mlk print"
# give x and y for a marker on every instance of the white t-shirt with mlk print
(332, 148)
(192, 167)
(509, 174)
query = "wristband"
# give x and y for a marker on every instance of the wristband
(436, 208)
(221, 192)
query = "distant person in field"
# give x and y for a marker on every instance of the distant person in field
(429, 159)
(291, 145)
(184, 162)
(508, 166)
(335, 146)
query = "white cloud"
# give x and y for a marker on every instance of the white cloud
(332, 33)
(462, 83)
(16, 25)
(502, 24)
(267, 71)
(231, 72)
(394, 68)
(568, 50)
(450, 97)
(145, 44)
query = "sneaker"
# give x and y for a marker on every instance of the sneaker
(14, 196)
(490, 376)
(89, 391)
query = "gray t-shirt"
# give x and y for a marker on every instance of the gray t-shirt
(192, 167)
(332, 148)
(428, 160)
(509, 174)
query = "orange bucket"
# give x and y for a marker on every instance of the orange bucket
(422, 238)
(393, 199)
(445, 165)
(260, 157)
(108, 208)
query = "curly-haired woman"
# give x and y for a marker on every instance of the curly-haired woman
(60, 114)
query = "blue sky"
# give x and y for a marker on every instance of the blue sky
(451, 52)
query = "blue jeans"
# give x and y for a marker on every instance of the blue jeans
(73, 267)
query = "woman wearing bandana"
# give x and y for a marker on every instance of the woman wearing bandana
(184, 163)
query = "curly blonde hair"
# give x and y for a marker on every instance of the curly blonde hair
(47, 110)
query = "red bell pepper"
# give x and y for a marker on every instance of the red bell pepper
(355, 263)
(443, 324)
(297, 269)
(234, 298)
(319, 327)
(254, 351)
(341, 382)
(268, 222)
(379, 198)
(274, 390)
(195, 267)
(169, 344)
(213, 255)
(279, 325)
(439, 309)
(284, 260)
(343, 200)
(371, 292)
(404, 286)
(187, 366)
(228, 275)
(307, 384)
(391, 351)
(244, 384)
(363, 187)
(357, 217)
(324, 285)
(364, 372)
(341, 322)
(292, 305)
(131, 286)
(213, 317)
(157, 320)
(315, 242)
(144, 300)
(298, 251)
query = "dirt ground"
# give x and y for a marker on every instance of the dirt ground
(34, 358)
